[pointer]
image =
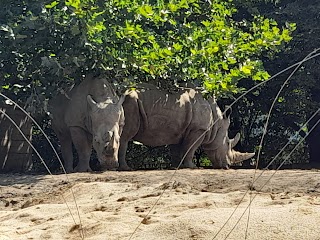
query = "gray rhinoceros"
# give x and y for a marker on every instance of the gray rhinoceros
(90, 114)
(183, 120)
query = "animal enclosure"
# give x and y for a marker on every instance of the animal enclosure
(15, 152)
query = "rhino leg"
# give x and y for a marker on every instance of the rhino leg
(219, 164)
(65, 140)
(123, 166)
(218, 158)
(189, 146)
(83, 144)
(187, 163)
(66, 150)
(175, 155)
(131, 127)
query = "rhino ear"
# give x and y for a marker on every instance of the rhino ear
(92, 103)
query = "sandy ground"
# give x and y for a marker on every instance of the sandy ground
(195, 204)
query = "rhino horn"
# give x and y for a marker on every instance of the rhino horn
(235, 140)
(239, 157)
(92, 103)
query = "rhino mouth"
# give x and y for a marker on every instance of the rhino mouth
(108, 152)
(225, 156)
(108, 163)
(108, 158)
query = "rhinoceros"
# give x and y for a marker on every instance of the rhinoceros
(183, 120)
(90, 114)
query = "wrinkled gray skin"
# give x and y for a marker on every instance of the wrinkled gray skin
(91, 114)
(181, 120)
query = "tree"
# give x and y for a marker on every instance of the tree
(301, 97)
(175, 41)
(38, 56)
(47, 46)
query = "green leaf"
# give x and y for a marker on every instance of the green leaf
(265, 75)
(168, 52)
(246, 69)
(153, 56)
(225, 66)
(73, 3)
(173, 7)
(280, 99)
(256, 77)
(231, 60)
(224, 85)
(206, 23)
(177, 46)
(52, 5)
(146, 11)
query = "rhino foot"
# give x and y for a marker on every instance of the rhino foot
(82, 169)
(225, 167)
(172, 168)
(69, 170)
(125, 168)
(189, 165)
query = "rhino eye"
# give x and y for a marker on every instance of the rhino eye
(107, 137)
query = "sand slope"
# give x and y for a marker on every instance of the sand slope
(195, 205)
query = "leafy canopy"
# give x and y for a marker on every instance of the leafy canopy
(174, 41)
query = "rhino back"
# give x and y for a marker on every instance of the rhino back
(57, 107)
(169, 117)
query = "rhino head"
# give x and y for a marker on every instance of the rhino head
(107, 121)
(235, 156)
(220, 149)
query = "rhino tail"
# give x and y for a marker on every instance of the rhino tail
(144, 119)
